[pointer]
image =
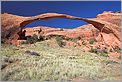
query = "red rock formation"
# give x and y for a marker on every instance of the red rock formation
(85, 32)
(12, 24)
(114, 18)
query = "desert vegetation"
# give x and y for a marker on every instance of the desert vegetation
(44, 63)
(60, 41)
(72, 39)
(92, 41)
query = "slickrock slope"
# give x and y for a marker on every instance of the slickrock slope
(114, 18)
(109, 29)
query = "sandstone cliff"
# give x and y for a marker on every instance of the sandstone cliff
(107, 23)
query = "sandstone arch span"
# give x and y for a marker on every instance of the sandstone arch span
(12, 24)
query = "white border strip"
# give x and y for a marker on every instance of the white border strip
(58, 0)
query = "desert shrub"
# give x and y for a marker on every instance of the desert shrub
(60, 37)
(59, 40)
(109, 62)
(93, 50)
(27, 52)
(79, 38)
(83, 42)
(119, 57)
(2, 41)
(104, 54)
(31, 40)
(54, 37)
(117, 49)
(24, 42)
(32, 53)
(61, 29)
(73, 39)
(35, 37)
(92, 41)
(101, 52)
(41, 38)
(105, 51)
(67, 38)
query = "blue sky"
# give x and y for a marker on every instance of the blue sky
(86, 9)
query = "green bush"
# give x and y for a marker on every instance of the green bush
(59, 40)
(31, 40)
(35, 37)
(93, 50)
(73, 39)
(104, 54)
(92, 41)
(24, 42)
(101, 52)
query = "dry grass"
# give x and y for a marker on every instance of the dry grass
(56, 63)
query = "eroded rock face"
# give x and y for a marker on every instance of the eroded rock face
(10, 26)
(104, 24)
(84, 32)
(114, 18)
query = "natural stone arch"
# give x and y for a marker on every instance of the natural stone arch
(46, 16)
(19, 22)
